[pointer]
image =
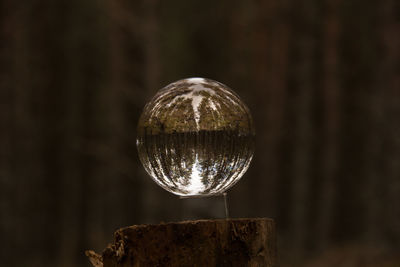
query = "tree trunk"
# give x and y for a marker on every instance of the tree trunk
(230, 242)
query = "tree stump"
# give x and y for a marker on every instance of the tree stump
(225, 242)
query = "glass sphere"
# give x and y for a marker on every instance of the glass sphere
(196, 137)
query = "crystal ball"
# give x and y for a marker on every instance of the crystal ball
(196, 137)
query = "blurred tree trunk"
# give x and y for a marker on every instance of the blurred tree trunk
(302, 82)
(388, 85)
(270, 70)
(6, 122)
(151, 84)
(112, 97)
(77, 189)
(330, 124)
(17, 147)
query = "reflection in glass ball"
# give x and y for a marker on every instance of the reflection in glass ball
(196, 137)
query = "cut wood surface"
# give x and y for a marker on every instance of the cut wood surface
(224, 242)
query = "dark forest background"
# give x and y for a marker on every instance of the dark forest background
(321, 77)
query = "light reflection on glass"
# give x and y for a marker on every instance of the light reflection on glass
(196, 137)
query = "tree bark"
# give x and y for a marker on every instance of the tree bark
(230, 242)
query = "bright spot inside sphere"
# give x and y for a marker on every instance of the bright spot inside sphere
(196, 137)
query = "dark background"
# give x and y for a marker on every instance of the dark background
(321, 78)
